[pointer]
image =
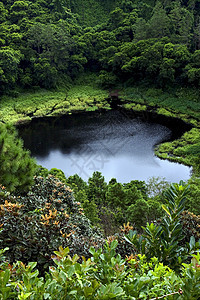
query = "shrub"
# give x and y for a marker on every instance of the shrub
(164, 240)
(103, 276)
(191, 226)
(36, 224)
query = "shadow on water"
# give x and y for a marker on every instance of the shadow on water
(118, 143)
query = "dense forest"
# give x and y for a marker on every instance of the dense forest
(48, 43)
(65, 238)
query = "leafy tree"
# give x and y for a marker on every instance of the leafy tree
(167, 71)
(193, 202)
(3, 12)
(140, 29)
(106, 79)
(164, 239)
(18, 11)
(140, 185)
(159, 24)
(44, 74)
(77, 182)
(193, 68)
(181, 21)
(116, 17)
(9, 61)
(156, 186)
(137, 214)
(115, 195)
(132, 196)
(90, 208)
(154, 210)
(97, 188)
(58, 174)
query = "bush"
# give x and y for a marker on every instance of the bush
(191, 226)
(36, 224)
(103, 276)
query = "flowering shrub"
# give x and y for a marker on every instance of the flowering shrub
(191, 226)
(36, 224)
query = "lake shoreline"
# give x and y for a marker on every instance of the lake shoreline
(90, 104)
(118, 145)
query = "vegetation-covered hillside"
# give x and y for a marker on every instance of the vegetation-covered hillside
(48, 43)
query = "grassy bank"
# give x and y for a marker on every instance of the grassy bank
(42, 103)
(182, 103)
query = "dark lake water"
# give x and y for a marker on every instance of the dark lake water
(112, 142)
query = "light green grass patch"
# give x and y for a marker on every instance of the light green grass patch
(51, 103)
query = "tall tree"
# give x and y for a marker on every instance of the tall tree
(9, 61)
(159, 24)
(17, 168)
(182, 22)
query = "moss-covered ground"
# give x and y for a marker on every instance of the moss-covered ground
(34, 104)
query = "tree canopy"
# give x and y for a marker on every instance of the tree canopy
(44, 42)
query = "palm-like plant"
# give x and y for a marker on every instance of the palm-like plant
(163, 240)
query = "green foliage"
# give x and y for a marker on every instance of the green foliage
(9, 61)
(42, 103)
(137, 213)
(90, 207)
(115, 195)
(192, 203)
(164, 240)
(97, 188)
(47, 41)
(156, 186)
(191, 226)
(36, 224)
(47, 44)
(103, 276)
(184, 150)
(50, 45)
(103, 272)
(58, 174)
(191, 275)
(17, 167)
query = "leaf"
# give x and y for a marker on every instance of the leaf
(71, 271)
(194, 261)
(24, 296)
(92, 250)
(73, 292)
(63, 276)
(166, 209)
(95, 284)
(88, 291)
(192, 242)
(34, 274)
(113, 244)
(127, 240)
(6, 277)
(31, 265)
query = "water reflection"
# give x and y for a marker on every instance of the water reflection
(113, 143)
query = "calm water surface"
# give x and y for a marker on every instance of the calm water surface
(111, 142)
